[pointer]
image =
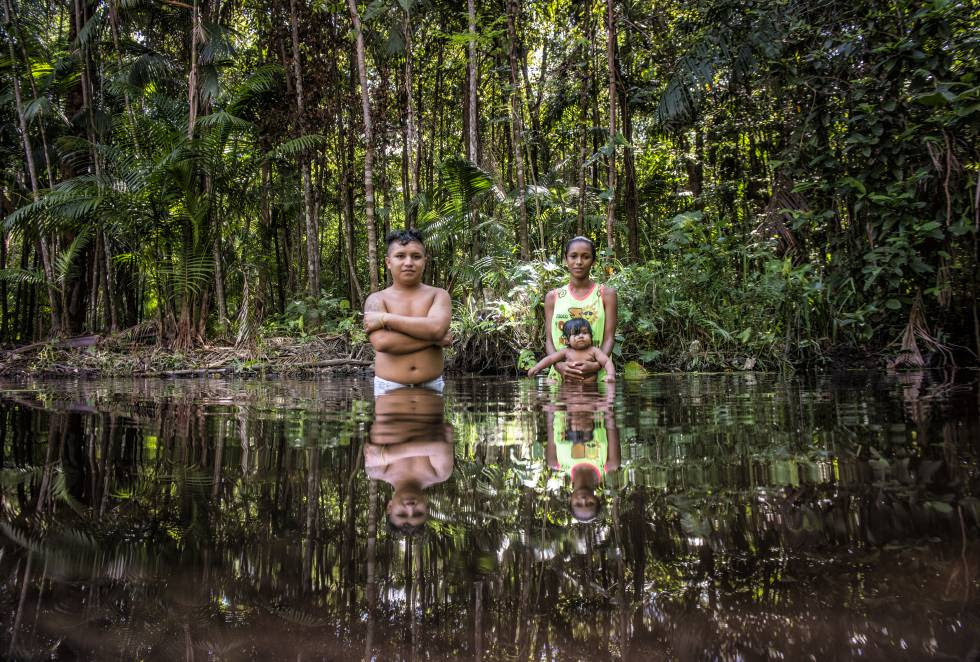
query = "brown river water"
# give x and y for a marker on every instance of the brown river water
(681, 517)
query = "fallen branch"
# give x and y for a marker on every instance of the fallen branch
(255, 368)
(68, 343)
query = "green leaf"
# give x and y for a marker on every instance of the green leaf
(856, 184)
(634, 370)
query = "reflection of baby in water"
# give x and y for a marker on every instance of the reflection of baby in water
(411, 448)
(583, 442)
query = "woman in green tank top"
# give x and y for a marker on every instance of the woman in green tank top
(581, 297)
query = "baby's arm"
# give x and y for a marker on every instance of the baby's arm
(547, 361)
(606, 362)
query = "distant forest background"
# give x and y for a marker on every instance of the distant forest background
(767, 181)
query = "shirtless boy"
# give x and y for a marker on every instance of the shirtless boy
(407, 323)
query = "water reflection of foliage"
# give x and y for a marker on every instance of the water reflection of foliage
(162, 524)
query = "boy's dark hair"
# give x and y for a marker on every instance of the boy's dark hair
(573, 240)
(575, 325)
(403, 237)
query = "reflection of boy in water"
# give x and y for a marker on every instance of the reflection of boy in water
(583, 443)
(411, 448)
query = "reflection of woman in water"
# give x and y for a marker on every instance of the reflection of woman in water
(411, 448)
(583, 442)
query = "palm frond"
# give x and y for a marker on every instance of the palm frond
(64, 261)
(258, 82)
(297, 146)
(39, 107)
(464, 182)
(149, 68)
(223, 119)
(189, 275)
(21, 217)
(27, 276)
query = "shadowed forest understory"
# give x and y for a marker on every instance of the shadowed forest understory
(776, 183)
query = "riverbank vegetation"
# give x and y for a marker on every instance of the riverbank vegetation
(769, 183)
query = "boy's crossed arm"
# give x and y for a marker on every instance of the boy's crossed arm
(402, 334)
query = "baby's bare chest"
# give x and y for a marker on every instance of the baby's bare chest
(579, 355)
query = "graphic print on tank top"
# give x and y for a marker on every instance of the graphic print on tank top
(568, 307)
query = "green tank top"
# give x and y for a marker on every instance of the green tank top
(589, 308)
(573, 450)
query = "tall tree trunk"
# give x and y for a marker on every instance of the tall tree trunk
(472, 143)
(631, 199)
(310, 220)
(4, 311)
(585, 62)
(472, 148)
(192, 95)
(219, 277)
(56, 321)
(611, 56)
(517, 131)
(184, 332)
(114, 27)
(411, 130)
(368, 148)
(346, 200)
(534, 105)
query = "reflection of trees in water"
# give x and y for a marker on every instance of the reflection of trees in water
(132, 530)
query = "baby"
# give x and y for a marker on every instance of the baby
(578, 341)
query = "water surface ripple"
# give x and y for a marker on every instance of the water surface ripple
(733, 517)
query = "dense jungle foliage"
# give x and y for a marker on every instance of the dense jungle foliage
(768, 181)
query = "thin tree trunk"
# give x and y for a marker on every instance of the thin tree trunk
(56, 321)
(183, 335)
(611, 56)
(108, 281)
(411, 132)
(93, 284)
(368, 149)
(114, 26)
(49, 171)
(310, 220)
(473, 151)
(346, 199)
(219, 277)
(585, 60)
(631, 199)
(192, 76)
(534, 104)
(517, 131)
(473, 120)
(264, 281)
(4, 319)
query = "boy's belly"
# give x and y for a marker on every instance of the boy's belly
(413, 368)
